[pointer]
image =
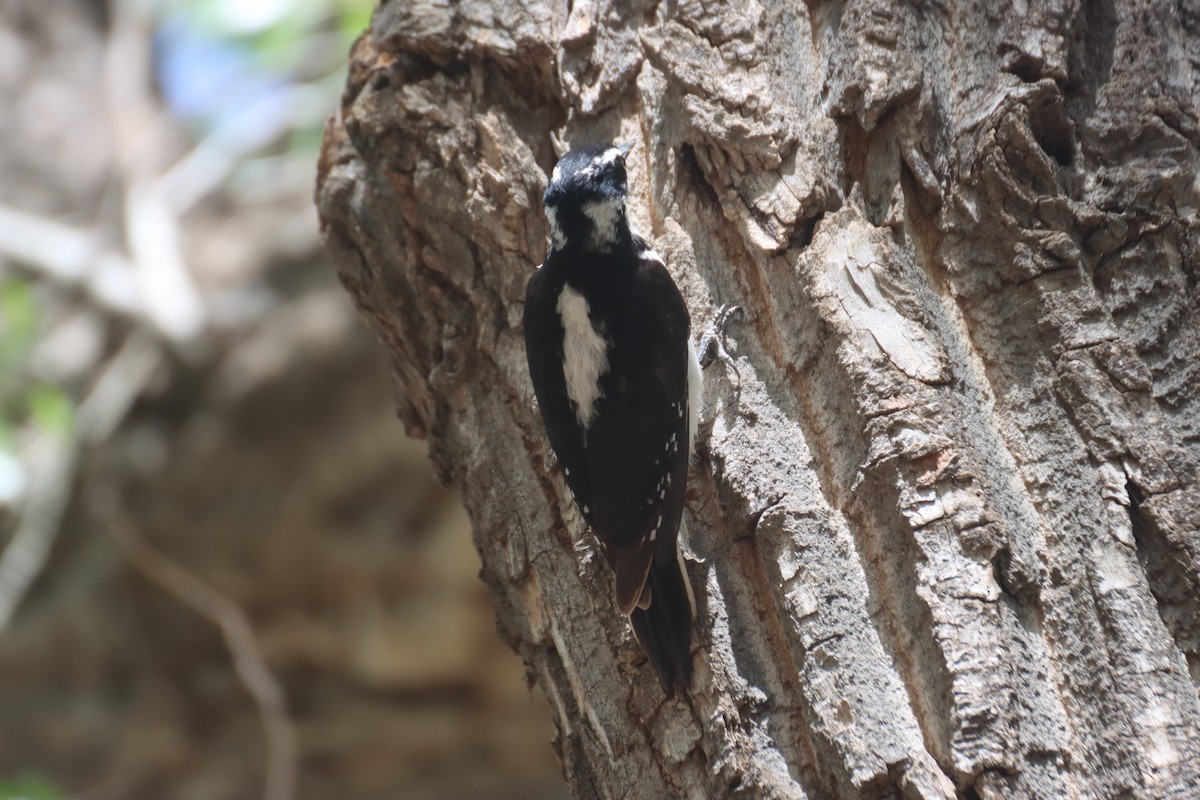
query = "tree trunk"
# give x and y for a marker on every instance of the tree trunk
(943, 526)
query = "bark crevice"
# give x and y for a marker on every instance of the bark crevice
(946, 504)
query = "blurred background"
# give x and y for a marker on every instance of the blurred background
(224, 572)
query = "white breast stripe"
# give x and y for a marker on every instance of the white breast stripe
(585, 354)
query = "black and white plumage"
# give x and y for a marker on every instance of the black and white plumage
(618, 384)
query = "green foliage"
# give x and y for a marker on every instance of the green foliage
(51, 410)
(23, 401)
(354, 17)
(306, 140)
(281, 33)
(18, 332)
(282, 43)
(18, 325)
(29, 787)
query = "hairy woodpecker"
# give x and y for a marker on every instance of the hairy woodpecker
(618, 384)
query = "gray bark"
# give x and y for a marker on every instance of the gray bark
(944, 523)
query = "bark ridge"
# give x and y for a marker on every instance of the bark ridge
(944, 522)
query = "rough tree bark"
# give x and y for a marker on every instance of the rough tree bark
(943, 526)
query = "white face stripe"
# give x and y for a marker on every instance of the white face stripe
(604, 215)
(556, 234)
(585, 355)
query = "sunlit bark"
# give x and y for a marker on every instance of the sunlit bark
(943, 525)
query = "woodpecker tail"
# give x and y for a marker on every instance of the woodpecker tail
(664, 630)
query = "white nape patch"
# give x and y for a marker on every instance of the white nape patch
(556, 234)
(585, 354)
(605, 159)
(695, 396)
(556, 175)
(604, 215)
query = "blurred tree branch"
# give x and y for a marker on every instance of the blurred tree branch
(280, 780)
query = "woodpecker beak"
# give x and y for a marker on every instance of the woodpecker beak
(625, 147)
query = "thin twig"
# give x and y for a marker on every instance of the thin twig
(51, 459)
(120, 384)
(169, 294)
(170, 298)
(74, 258)
(248, 661)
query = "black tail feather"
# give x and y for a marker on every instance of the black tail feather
(664, 630)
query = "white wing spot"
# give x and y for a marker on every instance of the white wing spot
(585, 355)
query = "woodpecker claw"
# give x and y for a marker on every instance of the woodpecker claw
(712, 343)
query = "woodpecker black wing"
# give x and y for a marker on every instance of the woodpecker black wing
(637, 451)
(544, 351)
(637, 446)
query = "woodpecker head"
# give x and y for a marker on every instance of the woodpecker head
(585, 201)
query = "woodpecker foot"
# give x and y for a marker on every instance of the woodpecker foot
(712, 342)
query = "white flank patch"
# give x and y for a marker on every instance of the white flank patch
(650, 254)
(556, 233)
(695, 395)
(683, 570)
(585, 355)
(604, 215)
